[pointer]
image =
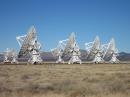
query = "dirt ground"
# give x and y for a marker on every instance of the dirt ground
(63, 80)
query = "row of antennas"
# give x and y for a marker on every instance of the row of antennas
(96, 52)
(99, 53)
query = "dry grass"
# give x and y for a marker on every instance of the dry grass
(87, 80)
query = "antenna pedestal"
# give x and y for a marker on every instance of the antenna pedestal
(60, 60)
(35, 57)
(6, 60)
(74, 58)
(98, 58)
(114, 59)
(14, 60)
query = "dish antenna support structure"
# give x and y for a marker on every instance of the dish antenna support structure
(10, 56)
(59, 50)
(29, 45)
(94, 50)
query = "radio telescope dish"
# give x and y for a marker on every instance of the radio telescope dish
(72, 49)
(25, 41)
(30, 45)
(94, 50)
(111, 52)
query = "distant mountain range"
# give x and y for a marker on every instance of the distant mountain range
(47, 56)
(124, 56)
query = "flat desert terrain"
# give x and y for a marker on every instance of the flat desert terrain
(63, 80)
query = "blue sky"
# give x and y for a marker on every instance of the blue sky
(56, 19)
